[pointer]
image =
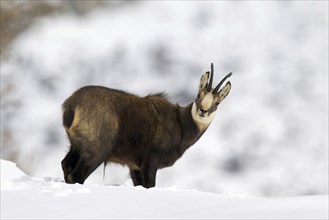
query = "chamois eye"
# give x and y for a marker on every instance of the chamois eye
(198, 95)
(216, 103)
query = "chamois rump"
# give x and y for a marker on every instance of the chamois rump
(143, 133)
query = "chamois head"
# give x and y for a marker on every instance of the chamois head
(205, 105)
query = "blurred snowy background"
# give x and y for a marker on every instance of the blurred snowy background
(270, 136)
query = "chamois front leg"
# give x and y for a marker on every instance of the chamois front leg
(149, 170)
(136, 176)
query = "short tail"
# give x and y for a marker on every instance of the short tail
(68, 116)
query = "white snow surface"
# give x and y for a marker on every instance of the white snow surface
(270, 135)
(25, 197)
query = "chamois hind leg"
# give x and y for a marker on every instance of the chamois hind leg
(69, 162)
(88, 161)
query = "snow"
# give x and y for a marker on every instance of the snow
(269, 136)
(25, 197)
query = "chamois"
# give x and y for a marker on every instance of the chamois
(144, 133)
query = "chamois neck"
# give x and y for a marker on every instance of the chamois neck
(190, 131)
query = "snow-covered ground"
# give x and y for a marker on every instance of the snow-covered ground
(25, 197)
(270, 135)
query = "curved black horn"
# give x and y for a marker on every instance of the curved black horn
(221, 82)
(211, 77)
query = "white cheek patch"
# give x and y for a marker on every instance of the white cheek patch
(202, 122)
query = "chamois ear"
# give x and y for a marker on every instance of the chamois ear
(224, 91)
(204, 81)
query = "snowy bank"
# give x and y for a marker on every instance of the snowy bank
(24, 197)
(269, 137)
